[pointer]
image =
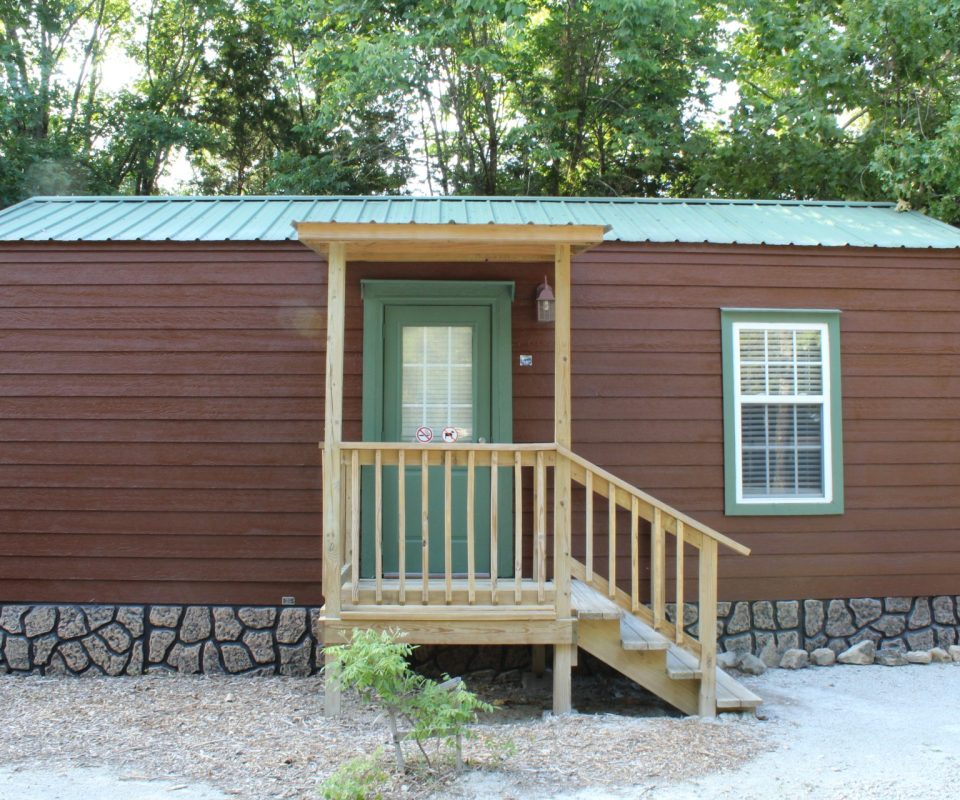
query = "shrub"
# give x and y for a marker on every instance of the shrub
(375, 665)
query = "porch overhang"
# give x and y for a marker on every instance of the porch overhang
(422, 242)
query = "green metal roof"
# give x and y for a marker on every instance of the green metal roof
(219, 219)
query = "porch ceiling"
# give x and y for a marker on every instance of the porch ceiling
(376, 241)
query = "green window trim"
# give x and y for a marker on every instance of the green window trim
(828, 321)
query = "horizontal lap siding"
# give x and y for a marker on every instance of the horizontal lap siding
(648, 404)
(160, 408)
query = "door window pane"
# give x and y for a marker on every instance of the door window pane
(437, 380)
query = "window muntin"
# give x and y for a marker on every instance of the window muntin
(782, 412)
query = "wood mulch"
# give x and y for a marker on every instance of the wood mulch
(267, 738)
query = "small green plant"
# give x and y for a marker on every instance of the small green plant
(358, 779)
(374, 664)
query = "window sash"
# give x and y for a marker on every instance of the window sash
(822, 399)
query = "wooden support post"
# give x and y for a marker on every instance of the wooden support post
(707, 627)
(538, 663)
(563, 655)
(332, 437)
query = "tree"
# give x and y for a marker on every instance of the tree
(857, 99)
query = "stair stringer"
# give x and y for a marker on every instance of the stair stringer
(601, 638)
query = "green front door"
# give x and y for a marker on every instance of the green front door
(434, 363)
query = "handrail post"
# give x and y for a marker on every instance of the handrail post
(707, 627)
(563, 655)
(332, 436)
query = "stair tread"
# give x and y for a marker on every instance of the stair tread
(588, 603)
(682, 665)
(733, 695)
(637, 635)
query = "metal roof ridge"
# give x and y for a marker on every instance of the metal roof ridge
(785, 202)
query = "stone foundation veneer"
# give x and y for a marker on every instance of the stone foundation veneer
(137, 639)
(769, 628)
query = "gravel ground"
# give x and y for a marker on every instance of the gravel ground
(835, 733)
(266, 738)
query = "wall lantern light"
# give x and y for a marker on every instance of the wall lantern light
(546, 302)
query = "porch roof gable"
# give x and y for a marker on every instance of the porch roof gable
(451, 242)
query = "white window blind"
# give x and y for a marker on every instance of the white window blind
(782, 408)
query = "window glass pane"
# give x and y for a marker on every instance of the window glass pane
(752, 379)
(437, 380)
(780, 425)
(781, 379)
(808, 346)
(810, 472)
(752, 345)
(782, 465)
(753, 426)
(755, 472)
(809, 425)
(809, 379)
(780, 345)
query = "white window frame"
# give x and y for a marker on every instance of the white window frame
(823, 399)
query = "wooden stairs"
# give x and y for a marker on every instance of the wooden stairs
(633, 648)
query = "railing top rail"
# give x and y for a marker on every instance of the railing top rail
(521, 447)
(726, 541)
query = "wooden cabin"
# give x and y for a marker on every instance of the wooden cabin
(547, 421)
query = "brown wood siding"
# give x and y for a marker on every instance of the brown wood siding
(160, 408)
(648, 404)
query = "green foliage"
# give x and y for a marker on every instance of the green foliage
(375, 665)
(358, 779)
(854, 99)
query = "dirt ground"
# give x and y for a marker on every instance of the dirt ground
(833, 733)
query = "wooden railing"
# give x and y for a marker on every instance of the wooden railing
(686, 534)
(534, 587)
(530, 585)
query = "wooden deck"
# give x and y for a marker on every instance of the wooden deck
(586, 605)
(542, 599)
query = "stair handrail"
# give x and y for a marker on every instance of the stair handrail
(663, 519)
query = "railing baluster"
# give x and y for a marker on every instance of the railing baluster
(541, 533)
(378, 523)
(425, 526)
(355, 525)
(494, 522)
(612, 538)
(680, 603)
(517, 528)
(588, 526)
(471, 555)
(634, 553)
(658, 572)
(402, 522)
(448, 526)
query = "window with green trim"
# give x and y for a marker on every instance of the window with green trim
(782, 418)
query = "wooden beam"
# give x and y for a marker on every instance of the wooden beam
(564, 656)
(332, 436)
(383, 241)
(463, 631)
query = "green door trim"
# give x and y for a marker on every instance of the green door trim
(497, 295)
